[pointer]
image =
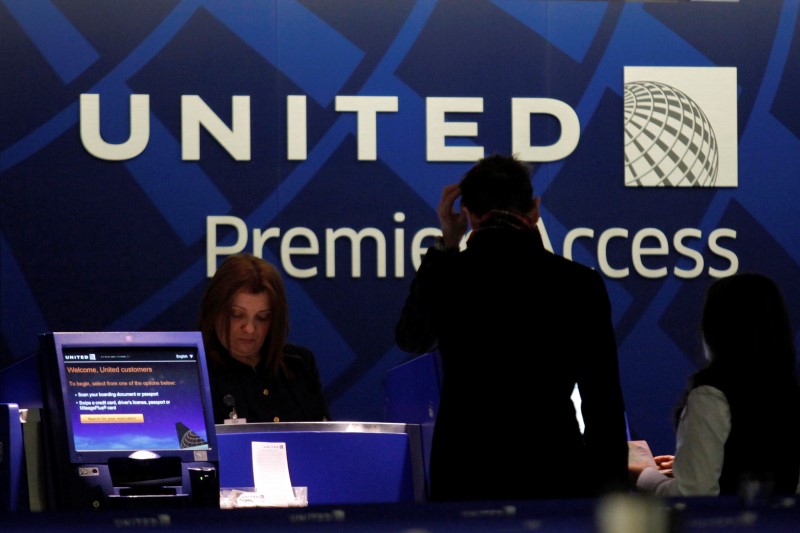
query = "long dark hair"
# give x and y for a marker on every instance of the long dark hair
(254, 275)
(746, 328)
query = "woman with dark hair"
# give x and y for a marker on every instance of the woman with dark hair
(739, 421)
(255, 373)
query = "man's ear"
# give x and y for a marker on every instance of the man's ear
(533, 214)
(474, 221)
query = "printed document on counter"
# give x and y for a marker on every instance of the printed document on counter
(271, 473)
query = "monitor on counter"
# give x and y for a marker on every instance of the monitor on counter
(125, 414)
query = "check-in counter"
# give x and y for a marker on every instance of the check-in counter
(339, 462)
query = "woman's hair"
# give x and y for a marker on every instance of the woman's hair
(244, 272)
(748, 336)
(745, 325)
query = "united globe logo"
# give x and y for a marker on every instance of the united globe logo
(671, 140)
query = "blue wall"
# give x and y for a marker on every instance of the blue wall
(112, 224)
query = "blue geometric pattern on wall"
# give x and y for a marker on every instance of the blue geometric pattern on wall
(87, 244)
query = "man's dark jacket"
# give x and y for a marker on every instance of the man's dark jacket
(517, 327)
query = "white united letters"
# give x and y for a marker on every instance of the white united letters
(236, 138)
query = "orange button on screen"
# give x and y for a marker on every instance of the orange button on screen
(131, 418)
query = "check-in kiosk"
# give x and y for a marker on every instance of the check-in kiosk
(127, 420)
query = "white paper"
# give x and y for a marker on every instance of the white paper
(271, 473)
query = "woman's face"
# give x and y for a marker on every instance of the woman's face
(250, 319)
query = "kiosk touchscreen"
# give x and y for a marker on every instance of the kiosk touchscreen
(127, 420)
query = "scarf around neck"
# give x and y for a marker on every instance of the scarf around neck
(498, 219)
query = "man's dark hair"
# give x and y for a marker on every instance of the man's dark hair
(497, 182)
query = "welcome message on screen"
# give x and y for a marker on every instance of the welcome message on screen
(117, 399)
